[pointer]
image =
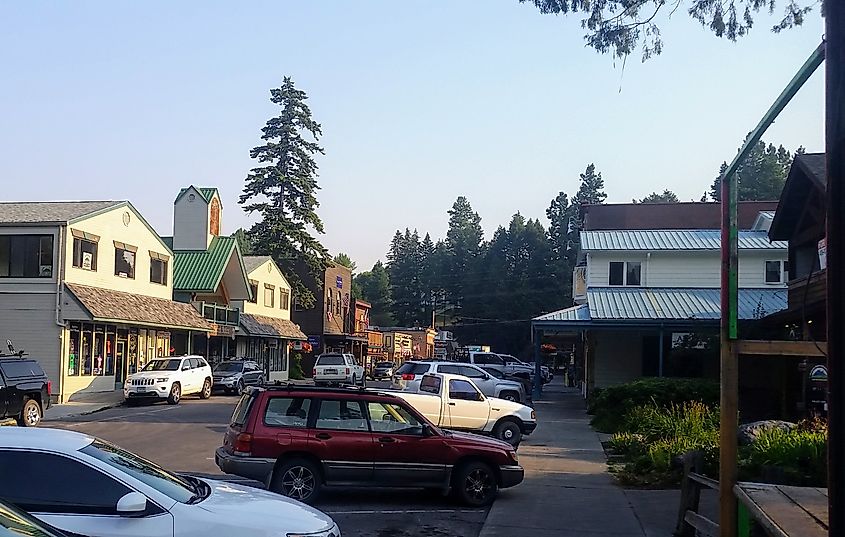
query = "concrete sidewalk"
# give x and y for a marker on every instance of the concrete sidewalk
(84, 404)
(567, 490)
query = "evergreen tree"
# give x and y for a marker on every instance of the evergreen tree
(344, 260)
(428, 271)
(244, 242)
(374, 287)
(591, 189)
(761, 175)
(283, 190)
(667, 196)
(463, 246)
(404, 265)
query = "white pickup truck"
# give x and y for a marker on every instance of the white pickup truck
(454, 402)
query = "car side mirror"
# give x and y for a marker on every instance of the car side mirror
(427, 430)
(132, 504)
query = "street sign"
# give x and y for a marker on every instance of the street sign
(314, 341)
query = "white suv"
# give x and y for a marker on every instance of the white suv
(169, 378)
(338, 369)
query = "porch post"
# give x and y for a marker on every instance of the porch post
(538, 372)
(660, 355)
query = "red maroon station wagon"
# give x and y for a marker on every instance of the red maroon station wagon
(299, 439)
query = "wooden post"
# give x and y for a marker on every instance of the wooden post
(538, 373)
(729, 367)
(660, 354)
(835, 169)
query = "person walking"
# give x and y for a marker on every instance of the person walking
(570, 375)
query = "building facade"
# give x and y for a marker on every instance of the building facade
(86, 289)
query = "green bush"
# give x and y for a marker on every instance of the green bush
(296, 368)
(611, 404)
(628, 444)
(795, 457)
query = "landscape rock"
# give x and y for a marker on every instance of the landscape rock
(750, 432)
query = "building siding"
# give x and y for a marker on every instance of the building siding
(685, 269)
(618, 357)
(29, 320)
(190, 223)
(110, 227)
(267, 273)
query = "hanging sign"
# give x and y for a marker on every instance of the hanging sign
(819, 373)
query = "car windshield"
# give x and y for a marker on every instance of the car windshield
(181, 489)
(162, 365)
(229, 367)
(330, 359)
(410, 368)
(494, 372)
(384, 364)
(14, 523)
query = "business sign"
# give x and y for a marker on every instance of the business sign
(339, 282)
(823, 254)
(314, 341)
(222, 330)
(819, 373)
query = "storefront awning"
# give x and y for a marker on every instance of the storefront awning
(106, 305)
(263, 326)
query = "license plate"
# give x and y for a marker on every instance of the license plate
(330, 371)
(142, 389)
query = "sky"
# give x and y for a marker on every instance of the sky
(419, 101)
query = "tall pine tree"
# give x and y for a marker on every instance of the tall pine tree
(374, 287)
(283, 190)
(464, 245)
(761, 175)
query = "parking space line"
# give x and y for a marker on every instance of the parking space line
(403, 511)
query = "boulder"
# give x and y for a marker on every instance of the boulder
(750, 432)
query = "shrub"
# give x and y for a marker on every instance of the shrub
(612, 403)
(795, 457)
(628, 444)
(296, 368)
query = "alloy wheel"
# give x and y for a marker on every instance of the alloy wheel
(479, 485)
(298, 483)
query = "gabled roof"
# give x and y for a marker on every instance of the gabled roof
(806, 177)
(632, 305)
(252, 262)
(262, 325)
(200, 271)
(677, 239)
(51, 212)
(206, 192)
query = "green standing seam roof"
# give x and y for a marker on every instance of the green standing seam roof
(202, 270)
(206, 192)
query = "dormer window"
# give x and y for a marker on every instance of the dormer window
(625, 273)
(776, 271)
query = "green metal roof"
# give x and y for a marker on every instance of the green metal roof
(206, 192)
(202, 270)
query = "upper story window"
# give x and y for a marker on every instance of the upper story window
(339, 303)
(253, 290)
(124, 260)
(284, 299)
(297, 305)
(776, 271)
(26, 256)
(158, 268)
(269, 295)
(625, 273)
(84, 250)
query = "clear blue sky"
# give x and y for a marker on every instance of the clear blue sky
(420, 102)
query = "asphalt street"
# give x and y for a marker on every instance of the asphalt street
(183, 438)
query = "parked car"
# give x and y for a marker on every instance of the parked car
(84, 485)
(233, 376)
(383, 370)
(492, 359)
(169, 379)
(546, 372)
(24, 390)
(338, 369)
(455, 402)
(522, 379)
(17, 522)
(341, 436)
(490, 385)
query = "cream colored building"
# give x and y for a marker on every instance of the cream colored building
(86, 289)
(266, 331)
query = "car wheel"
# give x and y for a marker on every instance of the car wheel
(511, 396)
(261, 381)
(241, 387)
(298, 479)
(31, 414)
(175, 394)
(354, 380)
(363, 382)
(206, 389)
(508, 431)
(475, 484)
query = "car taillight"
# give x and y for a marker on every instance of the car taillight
(314, 372)
(243, 444)
(347, 370)
(49, 387)
(407, 376)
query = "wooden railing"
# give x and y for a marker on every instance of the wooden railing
(690, 522)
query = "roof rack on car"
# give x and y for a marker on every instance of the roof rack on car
(12, 352)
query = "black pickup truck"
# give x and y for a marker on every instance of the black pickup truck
(24, 390)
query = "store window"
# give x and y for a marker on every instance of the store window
(158, 271)
(74, 350)
(284, 299)
(124, 260)
(269, 295)
(26, 256)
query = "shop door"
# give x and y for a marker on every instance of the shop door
(120, 363)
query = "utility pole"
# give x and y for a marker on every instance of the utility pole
(834, 13)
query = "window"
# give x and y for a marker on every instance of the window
(124, 261)
(287, 412)
(449, 369)
(625, 273)
(329, 295)
(149, 473)
(284, 299)
(430, 384)
(330, 359)
(775, 271)
(341, 415)
(471, 372)
(269, 295)
(158, 271)
(410, 368)
(338, 304)
(73, 486)
(253, 291)
(26, 256)
(489, 359)
(297, 306)
(392, 418)
(462, 389)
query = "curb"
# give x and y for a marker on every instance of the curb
(105, 406)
